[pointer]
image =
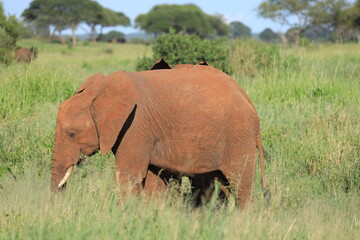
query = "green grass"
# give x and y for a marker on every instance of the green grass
(308, 103)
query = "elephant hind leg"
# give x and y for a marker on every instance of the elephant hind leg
(241, 178)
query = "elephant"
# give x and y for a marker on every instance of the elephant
(25, 55)
(190, 120)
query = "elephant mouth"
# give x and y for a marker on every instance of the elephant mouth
(69, 170)
(81, 161)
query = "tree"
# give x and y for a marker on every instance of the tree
(188, 18)
(267, 35)
(74, 11)
(113, 36)
(330, 14)
(62, 14)
(283, 11)
(353, 15)
(103, 17)
(238, 29)
(45, 13)
(217, 21)
(318, 33)
(9, 34)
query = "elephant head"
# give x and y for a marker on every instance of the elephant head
(90, 120)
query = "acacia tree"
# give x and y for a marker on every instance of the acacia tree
(283, 11)
(331, 14)
(267, 35)
(354, 19)
(188, 18)
(238, 29)
(96, 15)
(217, 21)
(43, 14)
(62, 14)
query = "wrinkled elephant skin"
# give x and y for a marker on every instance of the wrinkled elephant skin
(193, 120)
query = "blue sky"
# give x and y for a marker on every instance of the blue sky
(233, 10)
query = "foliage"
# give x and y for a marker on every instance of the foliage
(187, 18)
(238, 30)
(353, 16)
(318, 33)
(44, 13)
(283, 11)
(217, 21)
(9, 34)
(118, 36)
(331, 14)
(62, 14)
(267, 35)
(251, 58)
(187, 49)
(103, 17)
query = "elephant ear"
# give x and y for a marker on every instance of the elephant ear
(90, 81)
(205, 63)
(160, 64)
(115, 100)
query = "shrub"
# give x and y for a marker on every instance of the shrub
(250, 57)
(9, 34)
(113, 36)
(180, 48)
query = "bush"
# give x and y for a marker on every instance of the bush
(180, 48)
(113, 36)
(9, 34)
(141, 41)
(249, 57)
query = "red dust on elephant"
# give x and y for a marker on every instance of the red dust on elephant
(190, 121)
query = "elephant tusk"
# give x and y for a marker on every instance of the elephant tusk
(66, 177)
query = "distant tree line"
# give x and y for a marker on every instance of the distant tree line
(69, 14)
(314, 19)
(337, 17)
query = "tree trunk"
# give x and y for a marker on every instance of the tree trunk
(93, 34)
(73, 30)
(283, 39)
(52, 34)
(60, 37)
(358, 38)
(339, 36)
(297, 38)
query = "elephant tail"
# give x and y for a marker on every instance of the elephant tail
(266, 191)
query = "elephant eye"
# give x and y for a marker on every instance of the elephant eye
(71, 135)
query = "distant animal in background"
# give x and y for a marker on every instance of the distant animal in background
(25, 54)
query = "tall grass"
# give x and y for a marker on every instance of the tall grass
(308, 103)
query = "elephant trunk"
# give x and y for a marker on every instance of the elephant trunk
(63, 162)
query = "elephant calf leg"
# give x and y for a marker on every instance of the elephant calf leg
(153, 185)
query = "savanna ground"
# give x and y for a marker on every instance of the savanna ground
(309, 107)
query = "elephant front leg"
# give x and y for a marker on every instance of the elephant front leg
(132, 161)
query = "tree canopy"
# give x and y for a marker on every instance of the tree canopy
(62, 14)
(188, 18)
(267, 35)
(284, 11)
(330, 14)
(238, 29)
